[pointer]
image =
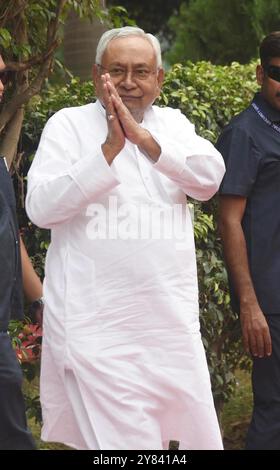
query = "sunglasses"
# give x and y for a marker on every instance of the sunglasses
(273, 71)
(6, 76)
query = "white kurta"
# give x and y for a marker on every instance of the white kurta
(123, 365)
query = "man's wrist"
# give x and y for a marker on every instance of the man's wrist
(110, 152)
(149, 146)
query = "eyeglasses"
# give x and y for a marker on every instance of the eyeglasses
(119, 73)
(273, 71)
(6, 76)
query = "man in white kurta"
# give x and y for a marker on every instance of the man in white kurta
(123, 365)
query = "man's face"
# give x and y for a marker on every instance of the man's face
(270, 88)
(2, 67)
(131, 63)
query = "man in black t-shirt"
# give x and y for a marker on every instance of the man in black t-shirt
(250, 230)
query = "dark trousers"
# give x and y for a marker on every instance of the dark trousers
(264, 429)
(14, 433)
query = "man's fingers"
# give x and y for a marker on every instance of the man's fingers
(109, 100)
(267, 343)
(111, 85)
(256, 335)
(120, 107)
(260, 344)
(253, 344)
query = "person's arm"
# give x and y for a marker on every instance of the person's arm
(32, 285)
(61, 184)
(187, 159)
(256, 335)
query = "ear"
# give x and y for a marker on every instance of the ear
(260, 74)
(95, 74)
(160, 78)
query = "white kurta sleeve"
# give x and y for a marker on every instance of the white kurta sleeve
(189, 160)
(61, 181)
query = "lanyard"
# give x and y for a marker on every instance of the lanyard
(265, 119)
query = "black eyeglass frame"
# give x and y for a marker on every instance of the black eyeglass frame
(134, 73)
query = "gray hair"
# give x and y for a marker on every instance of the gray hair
(127, 31)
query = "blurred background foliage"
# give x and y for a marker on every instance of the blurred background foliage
(221, 31)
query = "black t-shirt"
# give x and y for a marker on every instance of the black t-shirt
(11, 304)
(251, 150)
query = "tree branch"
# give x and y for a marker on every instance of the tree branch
(22, 98)
(36, 60)
(54, 23)
(9, 144)
(11, 12)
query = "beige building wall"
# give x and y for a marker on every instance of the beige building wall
(80, 41)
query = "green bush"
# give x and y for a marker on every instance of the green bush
(209, 96)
